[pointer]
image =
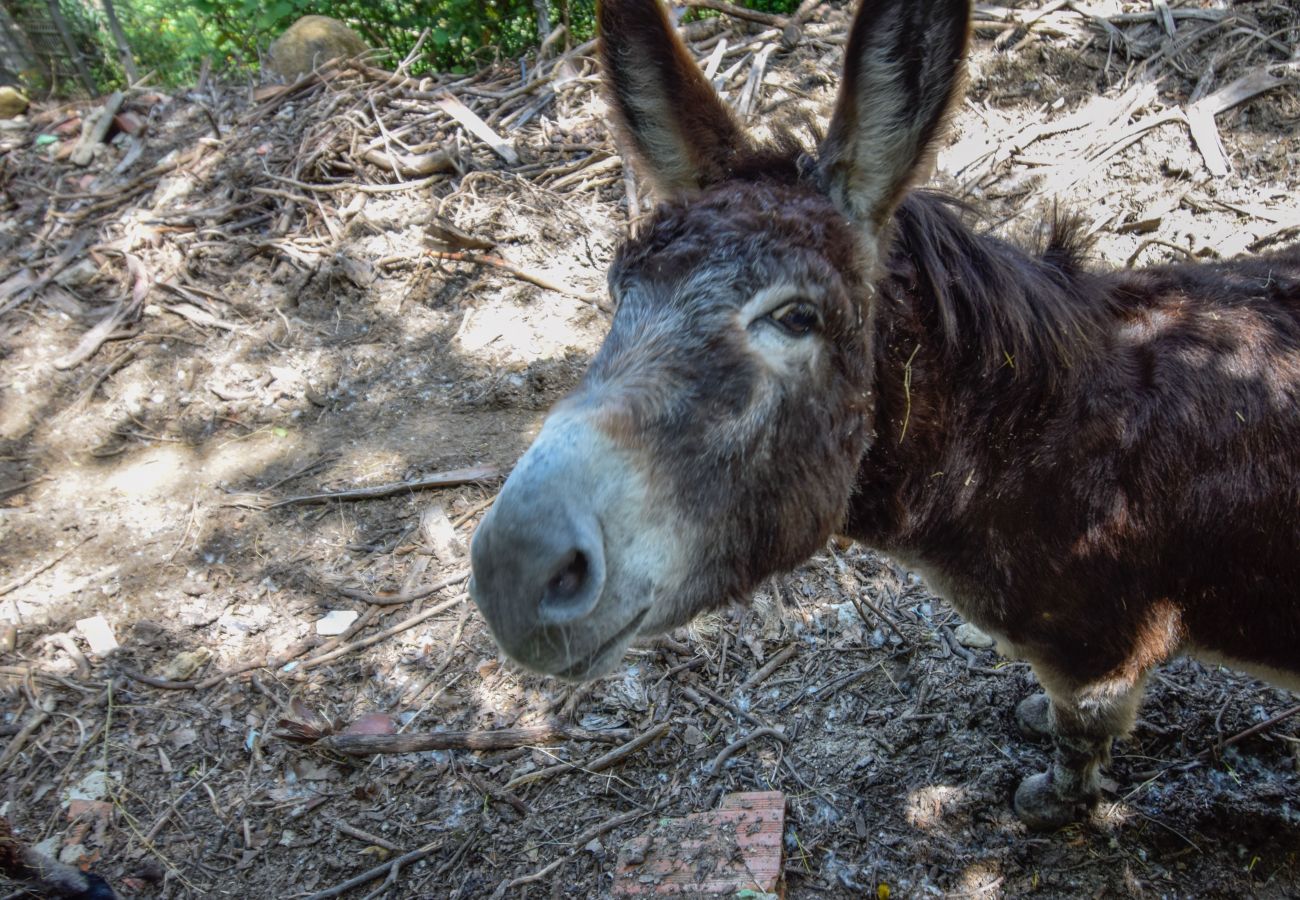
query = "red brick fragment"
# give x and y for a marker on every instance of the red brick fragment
(736, 847)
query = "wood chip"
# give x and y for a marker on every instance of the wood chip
(477, 127)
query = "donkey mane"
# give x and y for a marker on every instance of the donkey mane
(991, 303)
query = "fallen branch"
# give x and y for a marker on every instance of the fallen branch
(736, 745)
(371, 874)
(438, 480)
(772, 665)
(409, 165)
(496, 792)
(738, 12)
(94, 128)
(15, 746)
(381, 636)
(1251, 731)
(495, 739)
(537, 278)
(405, 596)
(470, 121)
(598, 764)
(1200, 115)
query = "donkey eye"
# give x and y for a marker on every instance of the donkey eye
(798, 318)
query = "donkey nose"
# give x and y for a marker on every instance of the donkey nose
(572, 591)
(537, 565)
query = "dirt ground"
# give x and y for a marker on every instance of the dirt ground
(214, 317)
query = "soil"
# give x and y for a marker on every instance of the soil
(308, 345)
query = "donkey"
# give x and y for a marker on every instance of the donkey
(1100, 469)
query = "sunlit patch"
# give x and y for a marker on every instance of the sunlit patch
(927, 807)
(504, 330)
(501, 693)
(980, 879)
(1112, 815)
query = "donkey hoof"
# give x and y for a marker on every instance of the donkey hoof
(1033, 716)
(1040, 807)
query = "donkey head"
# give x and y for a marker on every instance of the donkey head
(717, 436)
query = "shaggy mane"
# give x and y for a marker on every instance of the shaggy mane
(991, 300)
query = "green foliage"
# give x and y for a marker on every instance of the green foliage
(172, 37)
(778, 7)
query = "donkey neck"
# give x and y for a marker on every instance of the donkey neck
(977, 344)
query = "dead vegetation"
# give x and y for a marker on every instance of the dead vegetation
(266, 353)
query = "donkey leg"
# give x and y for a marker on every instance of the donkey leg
(1082, 719)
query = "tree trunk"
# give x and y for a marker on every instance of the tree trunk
(83, 71)
(119, 38)
(543, 20)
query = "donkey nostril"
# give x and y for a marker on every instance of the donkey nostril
(567, 582)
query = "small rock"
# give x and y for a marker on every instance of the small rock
(969, 636)
(185, 664)
(93, 786)
(335, 622)
(98, 634)
(441, 537)
(312, 41)
(12, 103)
(73, 854)
(77, 275)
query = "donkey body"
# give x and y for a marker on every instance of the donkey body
(1099, 469)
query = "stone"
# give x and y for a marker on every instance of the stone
(969, 636)
(312, 41)
(12, 103)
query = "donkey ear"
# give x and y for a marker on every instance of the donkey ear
(903, 71)
(665, 108)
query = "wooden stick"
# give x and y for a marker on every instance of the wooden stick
(735, 746)
(509, 885)
(411, 165)
(438, 480)
(371, 874)
(477, 127)
(1252, 731)
(406, 597)
(596, 765)
(771, 666)
(353, 832)
(496, 792)
(537, 278)
(15, 746)
(381, 636)
(738, 12)
(495, 739)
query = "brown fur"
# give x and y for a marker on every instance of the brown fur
(1102, 468)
